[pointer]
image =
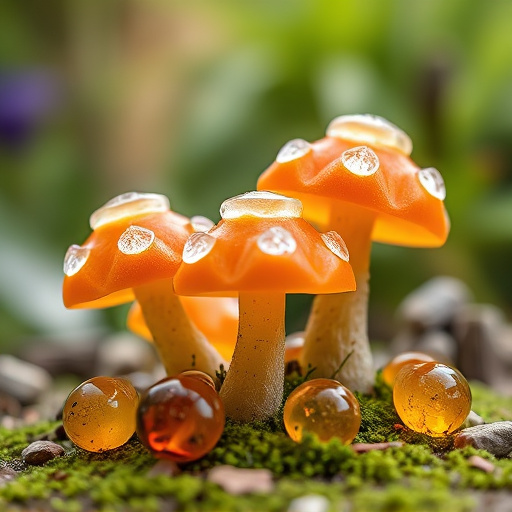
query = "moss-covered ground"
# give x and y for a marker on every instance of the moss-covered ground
(419, 476)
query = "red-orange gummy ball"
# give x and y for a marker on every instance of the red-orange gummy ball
(432, 398)
(322, 407)
(390, 371)
(180, 418)
(99, 414)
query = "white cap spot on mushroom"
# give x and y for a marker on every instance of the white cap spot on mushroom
(135, 240)
(293, 150)
(277, 241)
(262, 204)
(433, 182)
(201, 224)
(361, 161)
(75, 258)
(373, 130)
(336, 244)
(197, 247)
(128, 205)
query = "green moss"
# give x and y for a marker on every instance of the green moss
(420, 476)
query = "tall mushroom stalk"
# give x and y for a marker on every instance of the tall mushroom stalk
(337, 325)
(258, 357)
(359, 181)
(179, 343)
(262, 248)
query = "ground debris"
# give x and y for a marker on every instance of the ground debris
(495, 437)
(241, 481)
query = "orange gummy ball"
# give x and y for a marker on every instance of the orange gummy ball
(432, 398)
(180, 418)
(322, 407)
(391, 370)
(202, 376)
(99, 414)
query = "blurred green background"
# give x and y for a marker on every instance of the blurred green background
(194, 99)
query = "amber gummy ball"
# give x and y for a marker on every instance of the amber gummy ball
(322, 407)
(390, 371)
(180, 418)
(432, 398)
(99, 414)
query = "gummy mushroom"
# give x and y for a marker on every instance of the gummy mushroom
(360, 182)
(262, 249)
(215, 317)
(133, 252)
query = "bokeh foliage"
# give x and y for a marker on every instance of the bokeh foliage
(194, 99)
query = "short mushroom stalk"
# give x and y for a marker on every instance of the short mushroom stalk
(337, 325)
(181, 346)
(258, 358)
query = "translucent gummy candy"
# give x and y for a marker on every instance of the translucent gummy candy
(293, 150)
(336, 244)
(197, 247)
(75, 259)
(433, 182)
(135, 240)
(277, 241)
(361, 161)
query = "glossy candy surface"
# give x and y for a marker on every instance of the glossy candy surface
(180, 418)
(390, 371)
(99, 414)
(432, 398)
(322, 407)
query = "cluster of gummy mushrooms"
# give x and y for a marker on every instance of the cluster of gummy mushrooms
(211, 300)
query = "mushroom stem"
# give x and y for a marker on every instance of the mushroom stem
(180, 345)
(253, 389)
(337, 324)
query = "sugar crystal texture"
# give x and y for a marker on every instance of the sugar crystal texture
(75, 259)
(277, 241)
(324, 408)
(200, 223)
(433, 182)
(197, 247)
(99, 414)
(261, 204)
(135, 240)
(293, 150)
(128, 205)
(336, 244)
(431, 398)
(180, 418)
(373, 130)
(361, 161)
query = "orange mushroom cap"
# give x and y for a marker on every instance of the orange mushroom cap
(215, 317)
(364, 162)
(263, 245)
(136, 240)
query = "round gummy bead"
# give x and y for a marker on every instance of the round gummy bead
(432, 398)
(100, 413)
(390, 371)
(202, 376)
(322, 407)
(180, 418)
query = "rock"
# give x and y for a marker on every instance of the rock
(24, 381)
(40, 452)
(496, 438)
(309, 503)
(7, 475)
(478, 462)
(74, 356)
(438, 344)
(164, 467)
(432, 305)
(370, 447)
(477, 329)
(473, 420)
(124, 353)
(241, 481)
